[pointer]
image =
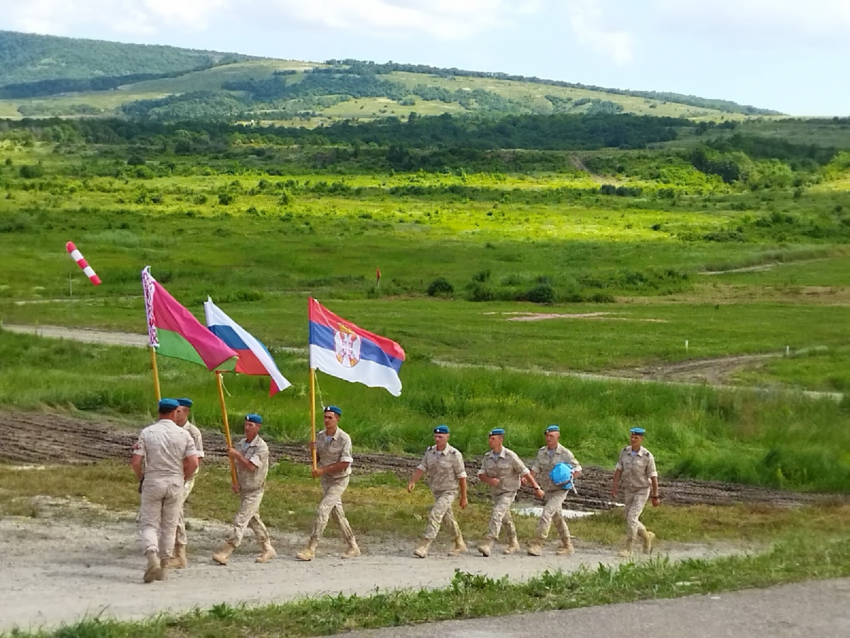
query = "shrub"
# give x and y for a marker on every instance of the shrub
(542, 293)
(440, 286)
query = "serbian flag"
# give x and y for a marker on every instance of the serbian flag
(175, 332)
(254, 357)
(341, 349)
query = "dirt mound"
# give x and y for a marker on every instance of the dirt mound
(38, 438)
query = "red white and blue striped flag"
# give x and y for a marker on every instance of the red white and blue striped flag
(254, 357)
(341, 349)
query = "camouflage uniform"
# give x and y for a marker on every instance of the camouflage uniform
(553, 495)
(442, 469)
(163, 446)
(331, 450)
(508, 468)
(252, 485)
(637, 469)
(195, 433)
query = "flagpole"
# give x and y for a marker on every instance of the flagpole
(226, 425)
(155, 374)
(313, 414)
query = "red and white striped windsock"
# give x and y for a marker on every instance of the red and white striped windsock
(77, 256)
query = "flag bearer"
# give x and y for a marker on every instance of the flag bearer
(251, 458)
(636, 468)
(503, 471)
(164, 458)
(333, 450)
(553, 495)
(443, 465)
(181, 418)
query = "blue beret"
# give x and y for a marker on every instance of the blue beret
(497, 431)
(166, 405)
(441, 429)
(334, 409)
(640, 431)
(254, 418)
(186, 403)
(553, 428)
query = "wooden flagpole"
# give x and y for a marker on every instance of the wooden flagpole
(155, 374)
(227, 438)
(313, 414)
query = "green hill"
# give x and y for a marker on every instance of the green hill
(49, 76)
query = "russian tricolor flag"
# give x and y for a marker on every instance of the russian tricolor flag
(341, 349)
(254, 357)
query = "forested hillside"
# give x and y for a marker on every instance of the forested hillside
(48, 76)
(27, 58)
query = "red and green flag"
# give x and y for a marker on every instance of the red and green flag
(175, 332)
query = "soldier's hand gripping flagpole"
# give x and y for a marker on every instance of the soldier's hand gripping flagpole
(227, 438)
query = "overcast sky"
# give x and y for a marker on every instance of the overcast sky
(788, 55)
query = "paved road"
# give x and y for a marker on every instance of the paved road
(806, 610)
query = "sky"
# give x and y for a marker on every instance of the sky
(787, 55)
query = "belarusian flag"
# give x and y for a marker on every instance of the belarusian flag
(175, 332)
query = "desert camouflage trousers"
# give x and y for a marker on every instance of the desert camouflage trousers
(331, 506)
(158, 514)
(635, 502)
(502, 515)
(248, 516)
(188, 486)
(440, 512)
(552, 512)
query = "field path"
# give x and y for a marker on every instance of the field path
(694, 373)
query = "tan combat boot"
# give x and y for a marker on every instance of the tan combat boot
(154, 569)
(486, 545)
(421, 550)
(459, 546)
(626, 552)
(566, 547)
(222, 555)
(513, 545)
(353, 550)
(648, 541)
(535, 547)
(268, 552)
(178, 561)
(309, 551)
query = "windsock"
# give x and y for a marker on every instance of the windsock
(77, 256)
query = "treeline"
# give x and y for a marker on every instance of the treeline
(363, 67)
(541, 132)
(26, 58)
(42, 88)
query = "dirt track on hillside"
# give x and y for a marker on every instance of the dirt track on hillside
(39, 438)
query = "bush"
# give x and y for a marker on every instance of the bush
(439, 287)
(32, 171)
(543, 293)
(477, 291)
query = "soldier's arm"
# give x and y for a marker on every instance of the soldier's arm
(463, 501)
(137, 458)
(617, 473)
(417, 474)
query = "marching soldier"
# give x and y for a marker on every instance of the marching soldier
(553, 495)
(170, 459)
(181, 418)
(445, 471)
(636, 468)
(333, 450)
(251, 458)
(503, 471)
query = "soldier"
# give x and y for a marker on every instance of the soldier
(251, 458)
(445, 470)
(170, 459)
(333, 449)
(503, 471)
(636, 467)
(181, 418)
(553, 495)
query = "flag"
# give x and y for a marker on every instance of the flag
(254, 357)
(341, 349)
(175, 332)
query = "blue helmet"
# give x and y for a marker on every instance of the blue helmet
(562, 476)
